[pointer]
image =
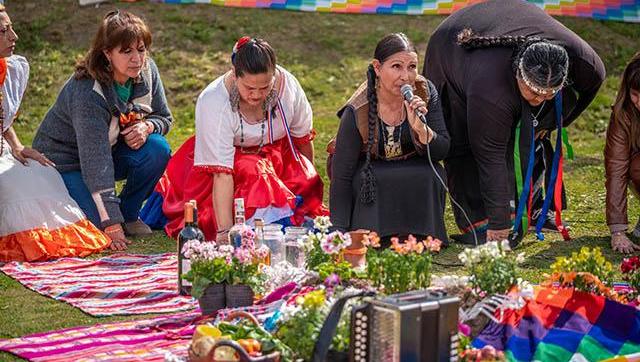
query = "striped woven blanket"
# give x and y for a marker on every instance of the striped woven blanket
(566, 325)
(119, 284)
(142, 340)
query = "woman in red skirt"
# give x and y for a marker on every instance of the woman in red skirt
(253, 140)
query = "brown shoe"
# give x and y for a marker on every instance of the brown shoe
(136, 228)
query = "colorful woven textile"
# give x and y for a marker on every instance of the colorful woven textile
(621, 10)
(120, 284)
(565, 325)
(143, 340)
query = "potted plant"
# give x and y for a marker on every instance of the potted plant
(210, 268)
(245, 276)
(402, 267)
(224, 276)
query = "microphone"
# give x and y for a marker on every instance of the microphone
(407, 94)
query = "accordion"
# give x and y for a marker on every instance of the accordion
(418, 326)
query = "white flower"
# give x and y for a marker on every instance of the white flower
(463, 257)
(520, 258)
(505, 245)
(322, 223)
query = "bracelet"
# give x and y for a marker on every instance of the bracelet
(113, 228)
(223, 231)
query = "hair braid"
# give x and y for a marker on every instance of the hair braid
(368, 187)
(469, 40)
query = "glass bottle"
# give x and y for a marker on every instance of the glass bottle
(235, 232)
(189, 232)
(294, 253)
(259, 241)
(274, 240)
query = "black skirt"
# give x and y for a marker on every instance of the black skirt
(409, 199)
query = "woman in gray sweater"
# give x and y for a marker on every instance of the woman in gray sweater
(108, 124)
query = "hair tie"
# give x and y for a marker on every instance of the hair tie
(238, 45)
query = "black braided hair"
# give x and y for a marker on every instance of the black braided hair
(255, 57)
(386, 47)
(546, 64)
(368, 187)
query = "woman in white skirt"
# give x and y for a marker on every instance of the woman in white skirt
(38, 218)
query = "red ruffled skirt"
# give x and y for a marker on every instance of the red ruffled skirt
(272, 179)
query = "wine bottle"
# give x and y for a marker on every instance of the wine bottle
(235, 232)
(189, 232)
(195, 220)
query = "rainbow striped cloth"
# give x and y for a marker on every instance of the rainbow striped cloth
(566, 325)
(620, 10)
(142, 340)
(119, 284)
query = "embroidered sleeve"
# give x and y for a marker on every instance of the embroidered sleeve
(301, 123)
(305, 139)
(214, 169)
(214, 131)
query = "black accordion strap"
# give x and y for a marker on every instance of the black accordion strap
(328, 329)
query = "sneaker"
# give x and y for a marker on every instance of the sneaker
(549, 224)
(136, 228)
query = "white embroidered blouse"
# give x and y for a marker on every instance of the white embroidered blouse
(218, 125)
(14, 87)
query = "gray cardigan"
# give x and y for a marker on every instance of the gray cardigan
(75, 131)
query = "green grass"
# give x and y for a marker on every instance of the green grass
(329, 54)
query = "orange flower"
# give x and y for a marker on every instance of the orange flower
(432, 244)
(372, 239)
(397, 247)
(418, 248)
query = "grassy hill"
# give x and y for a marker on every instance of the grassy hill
(329, 54)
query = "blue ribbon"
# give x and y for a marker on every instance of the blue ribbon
(554, 168)
(522, 202)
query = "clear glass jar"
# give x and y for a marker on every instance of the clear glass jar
(294, 253)
(273, 238)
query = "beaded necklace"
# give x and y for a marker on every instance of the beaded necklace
(262, 127)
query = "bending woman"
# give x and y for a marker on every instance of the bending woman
(382, 178)
(108, 124)
(504, 70)
(38, 219)
(254, 141)
(622, 157)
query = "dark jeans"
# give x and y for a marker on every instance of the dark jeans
(141, 168)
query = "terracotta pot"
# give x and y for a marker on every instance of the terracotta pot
(238, 296)
(212, 299)
(356, 253)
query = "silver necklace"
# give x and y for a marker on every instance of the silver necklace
(535, 117)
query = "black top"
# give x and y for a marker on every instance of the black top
(480, 96)
(349, 159)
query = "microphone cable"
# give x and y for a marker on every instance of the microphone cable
(407, 93)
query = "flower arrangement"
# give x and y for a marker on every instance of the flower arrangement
(630, 268)
(324, 251)
(216, 264)
(492, 268)
(587, 271)
(402, 267)
(300, 324)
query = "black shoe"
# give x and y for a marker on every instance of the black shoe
(549, 224)
(468, 239)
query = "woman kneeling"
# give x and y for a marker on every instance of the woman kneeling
(253, 141)
(385, 175)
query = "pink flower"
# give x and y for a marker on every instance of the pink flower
(464, 329)
(243, 255)
(432, 244)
